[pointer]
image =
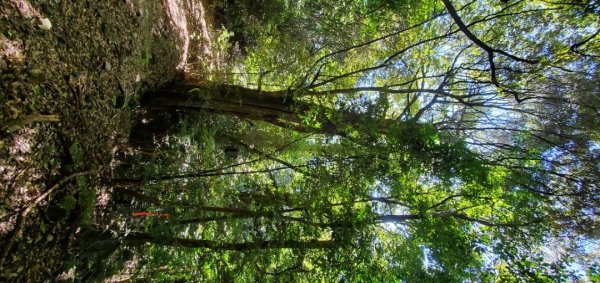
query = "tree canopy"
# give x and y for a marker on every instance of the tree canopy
(387, 141)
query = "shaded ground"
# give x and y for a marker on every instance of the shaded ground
(68, 96)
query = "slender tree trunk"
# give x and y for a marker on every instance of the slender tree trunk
(141, 238)
(208, 173)
(193, 207)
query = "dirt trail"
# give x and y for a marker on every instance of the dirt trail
(70, 73)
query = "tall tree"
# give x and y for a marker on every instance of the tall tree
(443, 141)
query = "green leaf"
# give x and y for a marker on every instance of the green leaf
(68, 202)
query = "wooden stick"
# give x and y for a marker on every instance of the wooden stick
(16, 124)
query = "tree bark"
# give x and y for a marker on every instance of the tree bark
(279, 108)
(189, 95)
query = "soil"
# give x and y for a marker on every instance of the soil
(71, 73)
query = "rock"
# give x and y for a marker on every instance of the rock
(45, 24)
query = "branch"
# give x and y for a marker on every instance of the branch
(461, 25)
(490, 51)
(347, 49)
(456, 196)
(211, 172)
(576, 46)
(271, 157)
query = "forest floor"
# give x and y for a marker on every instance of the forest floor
(68, 97)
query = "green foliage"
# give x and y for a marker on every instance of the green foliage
(86, 199)
(247, 19)
(76, 153)
(421, 148)
(68, 202)
(594, 273)
(411, 10)
(398, 149)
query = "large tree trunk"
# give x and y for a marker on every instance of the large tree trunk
(272, 107)
(152, 128)
(279, 108)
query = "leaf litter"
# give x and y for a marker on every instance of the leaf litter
(63, 67)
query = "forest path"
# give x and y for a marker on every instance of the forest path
(69, 76)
